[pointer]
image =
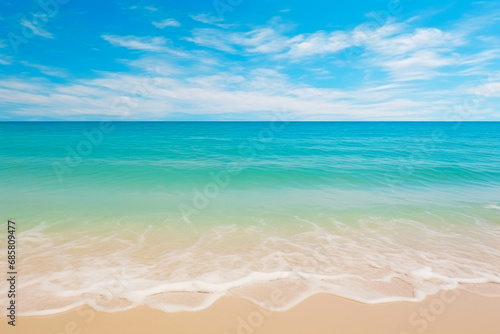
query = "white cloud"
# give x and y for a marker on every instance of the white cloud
(268, 40)
(47, 70)
(420, 65)
(206, 18)
(146, 44)
(149, 8)
(224, 95)
(154, 44)
(490, 89)
(395, 64)
(4, 60)
(212, 38)
(421, 54)
(405, 53)
(166, 23)
(23, 85)
(36, 29)
(481, 57)
(422, 38)
(261, 40)
(318, 43)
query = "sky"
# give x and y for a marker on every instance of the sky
(250, 60)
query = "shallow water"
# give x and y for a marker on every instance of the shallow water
(176, 214)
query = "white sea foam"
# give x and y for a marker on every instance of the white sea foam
(377, 261)
(492, 206)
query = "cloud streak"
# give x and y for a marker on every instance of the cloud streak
(252, 95)
(166, 23)
(154, 44)
(35, 29)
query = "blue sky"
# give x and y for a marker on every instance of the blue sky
(249, 60)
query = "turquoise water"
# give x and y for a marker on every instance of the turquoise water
(363, 191)
(284, 168)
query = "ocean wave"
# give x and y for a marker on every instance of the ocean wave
(374, 261)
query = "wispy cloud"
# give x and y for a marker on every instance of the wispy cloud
(260, 40)
(223, 94)
(404, 52)
(146, 44)
(47, 70)
(206, 18)
(148, 8)
(489, 89)
(270, 40)
(401, 69)
(154, 44)
(4, 60)
(211, 20)
(37, 30)
(166, 23)
(420, 65)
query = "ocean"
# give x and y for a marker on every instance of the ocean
(175, 215)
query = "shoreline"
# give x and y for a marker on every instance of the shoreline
(451, 311)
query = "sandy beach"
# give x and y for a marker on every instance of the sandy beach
(454, 311)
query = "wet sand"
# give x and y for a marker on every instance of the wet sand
(454, 312)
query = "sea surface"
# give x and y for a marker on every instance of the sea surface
(175, 215)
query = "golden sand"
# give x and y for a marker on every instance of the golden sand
(447, 312)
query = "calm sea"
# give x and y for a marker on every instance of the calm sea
(373, 211)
